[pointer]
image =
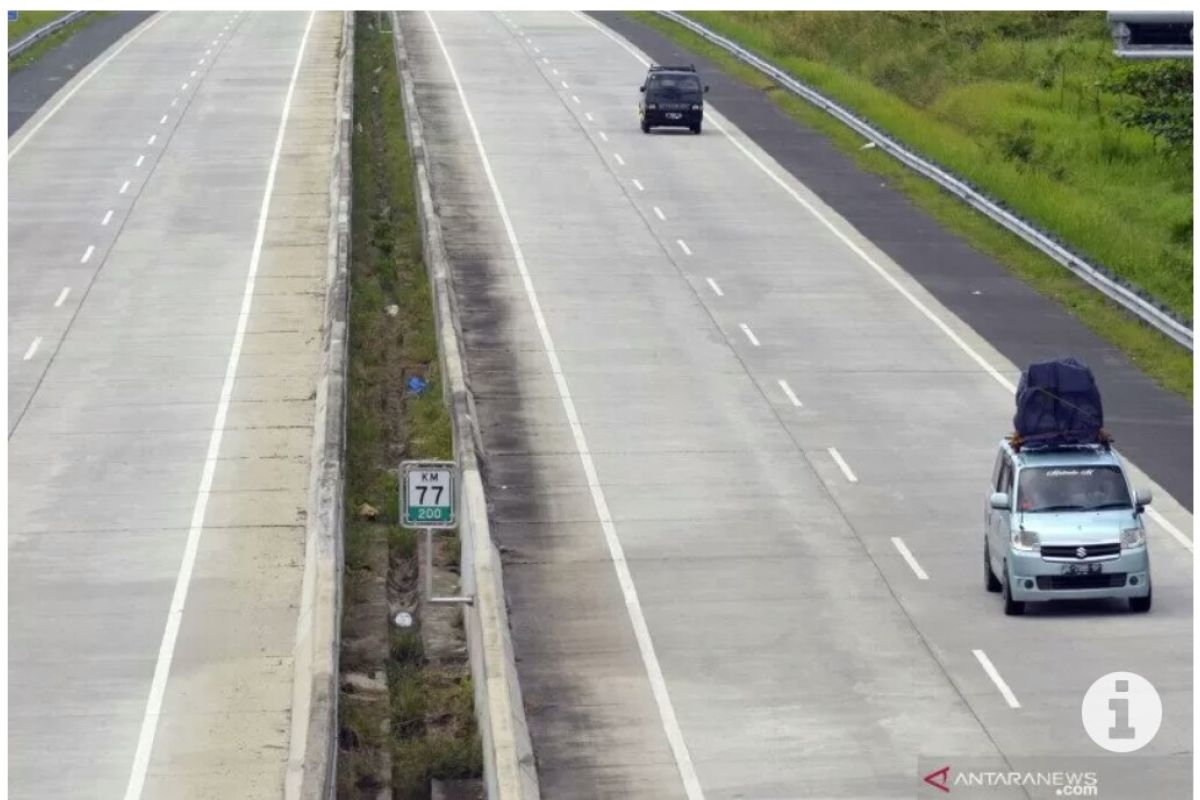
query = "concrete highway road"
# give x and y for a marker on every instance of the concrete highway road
(168, 220)
(738, 458)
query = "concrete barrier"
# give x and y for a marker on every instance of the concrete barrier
(509, 769)
(312, 756)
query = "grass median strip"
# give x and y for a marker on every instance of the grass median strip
(1159, 357)
(416, 713)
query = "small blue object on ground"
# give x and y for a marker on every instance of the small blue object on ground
(416, 384)
(12, 16)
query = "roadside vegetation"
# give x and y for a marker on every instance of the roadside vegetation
(425, 726)
(29, 21)
(1033, 109)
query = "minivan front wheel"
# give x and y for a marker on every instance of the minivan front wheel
(1140, 605)
(1012, 608)
(990, 582)
(695, 127)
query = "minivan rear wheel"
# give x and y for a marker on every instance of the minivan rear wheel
(645, 126)
(990, 582)
(1012, 608)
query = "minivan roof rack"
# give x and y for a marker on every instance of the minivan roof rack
(664, 68)
(1020, 443)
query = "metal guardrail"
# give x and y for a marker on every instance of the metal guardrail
(44, 31)
(1112, 286)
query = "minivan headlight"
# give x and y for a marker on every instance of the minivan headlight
(1025, 540)
(1133, 537)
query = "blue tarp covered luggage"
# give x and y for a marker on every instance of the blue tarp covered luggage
(1058, 403)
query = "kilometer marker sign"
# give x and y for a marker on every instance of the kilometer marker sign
(428, 494)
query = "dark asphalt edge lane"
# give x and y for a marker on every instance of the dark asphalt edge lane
(32, 86)
(1152, 425)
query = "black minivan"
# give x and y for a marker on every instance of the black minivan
(672, 97)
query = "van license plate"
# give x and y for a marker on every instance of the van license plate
(673, 115)
(1082, 569)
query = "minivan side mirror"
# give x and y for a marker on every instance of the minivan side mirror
(999, 501)
(1141, 499)
(642, 88)
(706, 88)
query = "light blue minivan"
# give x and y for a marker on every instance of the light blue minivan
(1064, 523)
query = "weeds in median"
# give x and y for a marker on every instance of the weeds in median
(430, 715)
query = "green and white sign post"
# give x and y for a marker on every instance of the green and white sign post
(429, 501)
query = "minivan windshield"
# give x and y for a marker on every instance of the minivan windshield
(1072, 489)
(680, 88)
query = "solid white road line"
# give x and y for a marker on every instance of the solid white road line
(787, 390)
(166, 651)
(124, 187)
(638, 184)
(62, 296)
(139, 161)
(1177, 534)
(661, 215)
(749, 334)
(87, 254)
(32, 349)
(986, 663)
(58, 106)
(620, 160)
(683, 246)
(658, 685)
(107, 217)
(841, 462)
(908, 556)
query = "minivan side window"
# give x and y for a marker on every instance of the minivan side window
(996, 471)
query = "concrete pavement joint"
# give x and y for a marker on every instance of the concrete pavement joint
(994, 674)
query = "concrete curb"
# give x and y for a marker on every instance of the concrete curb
(312, 755)
(509, 769)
